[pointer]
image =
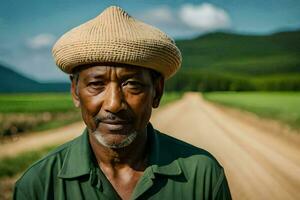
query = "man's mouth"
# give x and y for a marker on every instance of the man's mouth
(115, 122)
(115, 125)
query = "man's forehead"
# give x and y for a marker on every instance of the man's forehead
(119, 69)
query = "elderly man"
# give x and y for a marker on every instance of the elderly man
(118, 66)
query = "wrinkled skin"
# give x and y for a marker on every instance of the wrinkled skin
(116, 101)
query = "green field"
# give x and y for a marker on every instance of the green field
(32, 103)
(21, 113)
(283, 106)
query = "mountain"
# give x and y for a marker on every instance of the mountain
(11, 81)
(243, 54)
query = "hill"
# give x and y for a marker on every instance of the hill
(233, 62)
(12, 81)
(243, 54)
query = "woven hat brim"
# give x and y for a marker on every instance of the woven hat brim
(153, 54)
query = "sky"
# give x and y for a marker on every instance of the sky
(28, 29)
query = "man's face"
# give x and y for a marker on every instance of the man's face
(116, 102)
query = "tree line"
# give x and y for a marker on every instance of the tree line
(206, 81)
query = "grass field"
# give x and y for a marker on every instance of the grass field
(283, 106)
(33, 103)
(21, 113)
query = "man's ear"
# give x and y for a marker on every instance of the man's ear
(74, 93)
(159, 90)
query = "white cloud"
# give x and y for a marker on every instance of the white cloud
(188, 20)
(159, 15)
(205, 17)
(41, 41)
(163, 14)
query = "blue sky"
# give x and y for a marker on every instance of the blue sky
(29, 28)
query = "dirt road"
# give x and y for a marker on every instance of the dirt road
(37, 140)
(258, 163)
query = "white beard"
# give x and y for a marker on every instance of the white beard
(127, 141)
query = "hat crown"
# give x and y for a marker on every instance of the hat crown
(114, 12)
(114, 23)
(115, 36)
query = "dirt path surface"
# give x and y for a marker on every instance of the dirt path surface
(38, 140)
(258, 163)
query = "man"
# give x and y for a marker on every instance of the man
(118, 66)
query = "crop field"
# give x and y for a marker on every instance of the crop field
(283, 106)
(21, 113)
(33, 103)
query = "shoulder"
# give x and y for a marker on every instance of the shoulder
(44, 170)
(187, 153)
(200, 168)
(193, 161)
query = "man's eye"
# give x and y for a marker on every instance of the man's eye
(133, 84)
(96, 84)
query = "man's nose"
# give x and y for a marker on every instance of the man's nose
(114, 99)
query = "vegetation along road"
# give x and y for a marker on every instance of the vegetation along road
(259, 163)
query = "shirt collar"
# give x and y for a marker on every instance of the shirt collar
(79, 158)
(160, 154)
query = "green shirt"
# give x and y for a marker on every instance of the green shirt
(177, 170)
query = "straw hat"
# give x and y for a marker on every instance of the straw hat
(116, 37)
